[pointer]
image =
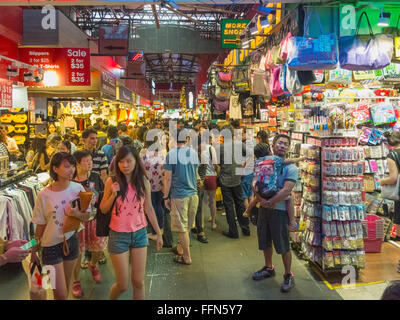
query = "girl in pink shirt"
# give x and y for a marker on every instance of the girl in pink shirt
(128, 198)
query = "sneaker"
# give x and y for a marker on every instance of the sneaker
(96, 275)
(214, 226)
(84, 264)
(223, 213)
(288, 282)
(264, 273)
(209, 219)
(77, 289)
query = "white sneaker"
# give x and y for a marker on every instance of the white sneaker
(209, 219)
(223, 213)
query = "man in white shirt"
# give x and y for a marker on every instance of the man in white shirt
(11, 144)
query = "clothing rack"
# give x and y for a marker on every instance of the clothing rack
(7, 182)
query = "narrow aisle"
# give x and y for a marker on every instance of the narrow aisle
(221, 269)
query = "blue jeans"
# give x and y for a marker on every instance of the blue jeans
(157, 202)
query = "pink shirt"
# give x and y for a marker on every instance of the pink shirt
(130, 216)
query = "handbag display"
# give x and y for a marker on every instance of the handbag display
(285, 47)
(306, 53)
(358, 55)
(392, 191)
(224, 80)
(241, 79)
(222, 93)
(221, 105)
(275, 86)
(292, 82)
(258, 85)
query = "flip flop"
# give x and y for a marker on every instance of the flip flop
(179, 259)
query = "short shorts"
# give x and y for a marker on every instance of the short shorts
(54, 255)
(120, 242)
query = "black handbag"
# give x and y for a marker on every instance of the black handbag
(306, 77)
(103, 219)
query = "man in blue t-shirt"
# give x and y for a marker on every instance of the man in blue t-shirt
(180, 193)
(273, 220)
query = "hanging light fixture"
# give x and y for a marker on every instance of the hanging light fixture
(384, 19)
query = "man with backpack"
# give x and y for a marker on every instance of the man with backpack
(110, 148)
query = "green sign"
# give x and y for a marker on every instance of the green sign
(231, 30)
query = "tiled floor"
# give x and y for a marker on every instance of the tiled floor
(221, 269)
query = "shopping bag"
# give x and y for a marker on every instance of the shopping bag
(33, 270)
(306, 53)
(275, 86)
(358, 55)
(292, 82)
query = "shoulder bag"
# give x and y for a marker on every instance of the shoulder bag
(391, 192)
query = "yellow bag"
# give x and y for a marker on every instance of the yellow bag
(218, 195)
(20, 118)
(20, 128)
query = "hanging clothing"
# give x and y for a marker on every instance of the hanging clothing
(235, 110)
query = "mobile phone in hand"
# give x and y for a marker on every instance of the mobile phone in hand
(75, 203)
(29, 244)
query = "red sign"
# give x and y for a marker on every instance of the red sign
(5, 93)
(63, 66)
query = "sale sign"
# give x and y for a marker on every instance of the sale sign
(5, 93)
(63, 66)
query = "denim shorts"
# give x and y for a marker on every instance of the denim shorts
(120, 242)
(54, 255)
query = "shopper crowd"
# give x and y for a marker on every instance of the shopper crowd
(150, 184)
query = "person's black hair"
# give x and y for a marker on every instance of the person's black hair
(122, 127)
(105, 122)
(56, 139)
(112, 132)
(262, 150)
(263, 136)
(57, 160)
(392, 292)
(278, 136)
(87, 132)
(74, 137)
(126, 141)
(235, 124)
(80, 154)
(392, 137)
(39, 145)
(67, 144)
(138, 175)
(97, 126)
(141, 133)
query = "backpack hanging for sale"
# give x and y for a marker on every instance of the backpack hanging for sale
(241, 79)
(224, 80)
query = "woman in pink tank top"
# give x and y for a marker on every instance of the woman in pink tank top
(128, 197)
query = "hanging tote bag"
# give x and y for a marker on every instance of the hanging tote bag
(282, 77)
(358, 55)
(221, 105)
(241, 79)
(392, 192)
(275, 86)
(395, 32)
(306, 53)
(285, 46)
(292, 82)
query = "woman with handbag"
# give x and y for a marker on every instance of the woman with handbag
(88, 240)
(129, 199)
(393, 160)
(53, 204)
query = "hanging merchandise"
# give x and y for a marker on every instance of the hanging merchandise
(235, 110)
(383, 113)
(307, 53)
(356, 54)
(224, 79)
(76, 108)
(361, 113)
(269, 64)
(395, 32)
(275, 86)
(249, 107)
(391, 72)
(285, 47)
(258, 85)
(282, 77)
(241, 79)
(339, 76)
(292, 82)
(87, 107)
(221, 105)
(6, 118)
(319, 76)
(306, 77)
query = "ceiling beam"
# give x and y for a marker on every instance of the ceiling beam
(153, 7)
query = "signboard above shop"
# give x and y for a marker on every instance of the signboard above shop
(125, 95)
(6, 93)
(231, 30)
(108, 88)
(63, 66)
